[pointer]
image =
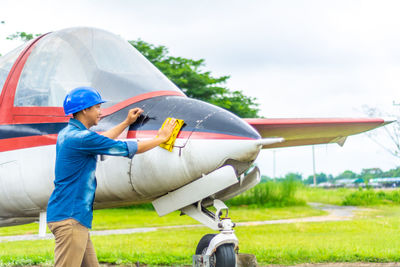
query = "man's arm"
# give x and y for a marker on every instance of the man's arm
(94, 143)
(133, 114)
(163, 135)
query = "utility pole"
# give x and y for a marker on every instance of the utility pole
(274, 163)
(313, 159)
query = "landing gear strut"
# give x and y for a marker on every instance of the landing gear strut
(215, 250)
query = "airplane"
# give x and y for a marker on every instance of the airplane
(212, 159)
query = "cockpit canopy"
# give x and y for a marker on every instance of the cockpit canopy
(66, 59)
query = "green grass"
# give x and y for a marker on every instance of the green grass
(368, 197)
(291, 193)
(136, 218)
(349, 196)
(271, 194)
(373, 238)
(326, 196)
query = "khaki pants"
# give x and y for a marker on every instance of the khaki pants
(73, 245)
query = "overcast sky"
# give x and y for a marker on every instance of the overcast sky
(298, 58)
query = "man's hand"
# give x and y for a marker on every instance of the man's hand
(132, 116)
(165, 133)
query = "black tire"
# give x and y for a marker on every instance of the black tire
(223, 257)
(203, 244)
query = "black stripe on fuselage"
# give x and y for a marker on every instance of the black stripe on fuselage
(198, 116)
(33, 129)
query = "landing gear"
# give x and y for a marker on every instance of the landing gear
(215, 250)
(224, 256)
(192, 200)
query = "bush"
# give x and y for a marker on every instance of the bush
(267, 194)
(369, 197)
(270, 194)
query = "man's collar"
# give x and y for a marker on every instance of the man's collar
(77, 123)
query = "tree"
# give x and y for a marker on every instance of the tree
(187, 74)
(22, 36)
(371, 173)
(392, 173)
(392, 131)
(346, 175)
(321, 177)
(291, 176)
(265, 179)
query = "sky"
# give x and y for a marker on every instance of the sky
(298, 58)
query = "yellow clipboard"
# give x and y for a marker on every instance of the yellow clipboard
(169, 144)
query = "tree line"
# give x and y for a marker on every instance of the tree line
(366, 174)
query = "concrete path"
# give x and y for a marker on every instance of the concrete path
(336, 213)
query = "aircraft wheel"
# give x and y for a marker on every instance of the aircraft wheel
(223, 257)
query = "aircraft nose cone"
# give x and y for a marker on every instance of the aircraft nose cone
(219, 123)
(202, 120)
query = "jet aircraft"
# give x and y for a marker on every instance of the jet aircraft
(212, 159)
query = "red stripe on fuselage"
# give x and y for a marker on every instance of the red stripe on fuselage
(27, 142)
(56, 114)
(51, 139)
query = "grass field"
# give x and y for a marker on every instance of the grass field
(327, 196)
(135, 218)
(349, 196)
(372, 236)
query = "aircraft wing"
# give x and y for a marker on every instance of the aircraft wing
(299, 132)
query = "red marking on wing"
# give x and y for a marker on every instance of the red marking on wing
(298, 132)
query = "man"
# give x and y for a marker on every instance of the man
(70, 207)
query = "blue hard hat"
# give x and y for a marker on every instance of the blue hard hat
(81, 98)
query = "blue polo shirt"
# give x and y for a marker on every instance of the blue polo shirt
(75, 182)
